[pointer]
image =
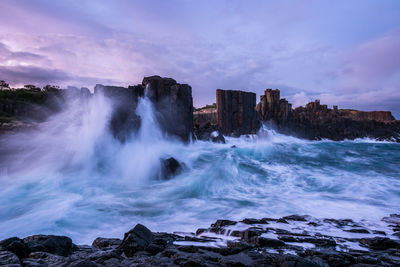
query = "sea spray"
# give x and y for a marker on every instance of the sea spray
(71, 176)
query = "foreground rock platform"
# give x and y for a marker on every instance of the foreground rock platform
(288, 241)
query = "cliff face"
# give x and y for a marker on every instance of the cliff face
(236, 112)
(316, 121)
(172, 101)
(272, 107)
(383, 116)
(174, 105)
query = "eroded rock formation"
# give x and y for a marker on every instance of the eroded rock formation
(172, 101)
(293, 240)
(236, 112)
(174, 105)
(316, 121)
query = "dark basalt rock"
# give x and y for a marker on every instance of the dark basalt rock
(16, 246)
(170, 167)
(172, 102)
(269, 242)
(219, 138)
(380, 243)
(137, 239)
(221, 223)
(254, 221)
(295, 218)
(58, 245)
(236, 112)
(9, 259)
(106, 243)
(258, 245)
(360, 231)
(316, 121)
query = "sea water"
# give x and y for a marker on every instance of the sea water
(69, 176)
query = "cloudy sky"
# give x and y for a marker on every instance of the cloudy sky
(342, 52)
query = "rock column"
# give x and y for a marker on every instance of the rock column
(236, 112)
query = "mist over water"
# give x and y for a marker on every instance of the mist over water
(70, 176)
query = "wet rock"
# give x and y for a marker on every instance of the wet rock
(393, 218)
(171, 167)
(45, 259)
(314, 224)
(240, 259)
(137, 239)
(281, 220)
(316, 121)
(106, 243)
(377, 232)
(103, 256)
(321, 242)
(8, 258)
(380, 243)
(174, 105)
(217, 138)
(16, 246)
(269, 242)
(58, 245)
(250, 235)
(236, 112)
(84, 263)
(201, 230)
(295, 218)
(341, 223)
(254, 221)
(221, 223)
(359, 231)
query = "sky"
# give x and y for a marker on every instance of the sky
(345, 53)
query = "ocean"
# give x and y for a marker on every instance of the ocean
(69, 176)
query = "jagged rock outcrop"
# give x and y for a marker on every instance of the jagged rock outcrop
(205, 122)
(383, 116)
(295, 240)
(316, 121)
(124, 120)
(236, 112)
(172, 101)
(272, 107)
(174, 105)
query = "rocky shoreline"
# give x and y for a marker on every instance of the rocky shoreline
(235, 112)
(288, 241)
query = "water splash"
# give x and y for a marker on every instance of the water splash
(71, 177)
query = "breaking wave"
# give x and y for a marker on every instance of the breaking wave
(70, 176)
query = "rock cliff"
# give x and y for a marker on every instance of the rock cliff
(316, 121)
(172, 101)
(236, 112)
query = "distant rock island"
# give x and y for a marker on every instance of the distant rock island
(234, 113)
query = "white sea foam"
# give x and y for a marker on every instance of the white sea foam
(70, 176)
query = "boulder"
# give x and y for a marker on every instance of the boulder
(58, 245)
(106, 243)
(380, 243)
(16, 246)
(137, 239)
(170, 167)
(217, 137)
(9, 259)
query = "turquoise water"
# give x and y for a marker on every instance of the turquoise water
(70, 177)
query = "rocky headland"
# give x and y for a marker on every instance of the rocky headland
(234, 113)
(288, 241)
